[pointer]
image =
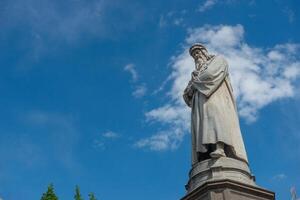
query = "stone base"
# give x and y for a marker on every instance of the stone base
(219, 169)
(229, 190)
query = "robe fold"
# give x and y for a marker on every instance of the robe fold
(214, 113)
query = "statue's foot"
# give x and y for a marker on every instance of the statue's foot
(217, 153)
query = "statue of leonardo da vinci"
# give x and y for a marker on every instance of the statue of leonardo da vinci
(214, 119)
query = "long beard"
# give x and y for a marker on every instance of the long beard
(199, 63)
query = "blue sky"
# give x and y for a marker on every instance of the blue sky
(91, 93)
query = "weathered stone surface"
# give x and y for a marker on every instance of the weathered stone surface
(215, 125)
(229, 190)
(218, 169)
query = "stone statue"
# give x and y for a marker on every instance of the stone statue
(214, 120)
(220, 169)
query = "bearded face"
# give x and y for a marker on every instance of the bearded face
(200, 57)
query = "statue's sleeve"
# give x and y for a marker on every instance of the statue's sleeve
(208, 81)
(188, 94)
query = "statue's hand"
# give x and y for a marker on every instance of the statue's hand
(188, 95)
(195, 75)
(189, 90)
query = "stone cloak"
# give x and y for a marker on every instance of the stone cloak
(214, 113)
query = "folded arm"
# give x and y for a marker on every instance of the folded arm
(211, 78)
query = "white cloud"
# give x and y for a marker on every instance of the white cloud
(69, 21)
(207, 5)
(293, 71)
(259, 76)
(162, 141)
(279, 177)
(169, 113)
(43, 118)
(110, 135)
(178, 21)
(45, 20)
(290, 14)
(98, 144)
(162, 21)
(131, 69)
(48, 25)
(139, 91)
(176, 18)
(103, 139)
(275, 55)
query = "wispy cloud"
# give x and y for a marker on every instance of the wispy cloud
(172, 18)
(207, 5)
(102, 139)
(42, 138)
(178, 21)
(59, 129)
(164, 140)
(98, 144)
(54, 20)
(290, 14)
(259, 76)
(140, 89)
(162, 21)
(131, 69)
(16, 150)
(279, 177)
(43, 118)
(111, 135)
(43, 26)
(68, 20)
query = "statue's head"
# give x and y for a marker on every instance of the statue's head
(199, 52)
(200, 55)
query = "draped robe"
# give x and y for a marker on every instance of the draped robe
(214, 115)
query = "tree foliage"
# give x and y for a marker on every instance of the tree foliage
(92, 196)
(77, 195)
(50, 194)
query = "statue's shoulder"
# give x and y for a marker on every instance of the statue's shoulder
(219, 62)
(220, 59)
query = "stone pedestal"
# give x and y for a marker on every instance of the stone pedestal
(229, 190)
(224, 179)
